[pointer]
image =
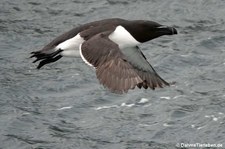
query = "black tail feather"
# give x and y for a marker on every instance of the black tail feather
(48, 60)
(45, 58)
(41, 56)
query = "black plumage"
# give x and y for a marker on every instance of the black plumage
(118, 69)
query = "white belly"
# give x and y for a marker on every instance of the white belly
(70, 47)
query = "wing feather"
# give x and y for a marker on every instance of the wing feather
(119, 70)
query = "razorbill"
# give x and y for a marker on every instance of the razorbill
(111, 47)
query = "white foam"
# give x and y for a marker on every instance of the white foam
(106, 107)
(166, 125)
(143, 100)
(200, 127)
(64, 108)
(178, 96)
(127, 105)
(165, 97)
(185, 55)
(116, 106)
(144, 125)
(215, 118)
(25, 113)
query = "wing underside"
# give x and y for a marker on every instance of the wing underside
(119, 70)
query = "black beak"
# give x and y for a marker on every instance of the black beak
(166, 30)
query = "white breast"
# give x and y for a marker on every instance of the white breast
(123, 38)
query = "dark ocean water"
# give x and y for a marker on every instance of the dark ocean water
(62, 106)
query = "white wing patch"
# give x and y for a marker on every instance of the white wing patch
(81, 55)
(123, 38)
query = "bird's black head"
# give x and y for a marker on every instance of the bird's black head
(144, 31)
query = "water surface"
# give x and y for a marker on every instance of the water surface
(64, 106)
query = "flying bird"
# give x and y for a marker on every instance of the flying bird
(110, 46)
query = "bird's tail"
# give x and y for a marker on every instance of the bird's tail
(46, 58)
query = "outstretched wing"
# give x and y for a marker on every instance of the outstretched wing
(144, 69)
(119, 70)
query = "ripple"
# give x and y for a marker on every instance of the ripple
(63, 106)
